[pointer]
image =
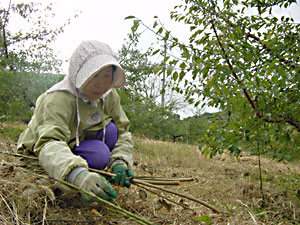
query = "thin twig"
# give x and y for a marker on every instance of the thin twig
(135, 181)
(178, 194)
(14, 206)
(4, 163)
(44, 212)
(19, 155)
(157, 182)
(252, 218)
(8, 207)
(243, 204)
(117, 208)
(163, 181)
(183, 179)
(170, 200)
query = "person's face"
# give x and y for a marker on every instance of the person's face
(99, 84)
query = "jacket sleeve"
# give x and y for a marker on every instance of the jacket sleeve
(53, 117)
(124, 145)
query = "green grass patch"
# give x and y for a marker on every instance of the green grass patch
(12, 133)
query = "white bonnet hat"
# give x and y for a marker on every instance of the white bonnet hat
(89, 58)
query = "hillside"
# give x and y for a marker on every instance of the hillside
(231, 185)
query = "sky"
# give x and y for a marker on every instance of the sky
(104, 20)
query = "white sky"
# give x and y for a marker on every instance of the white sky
(103, 20)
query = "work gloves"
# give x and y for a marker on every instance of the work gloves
(95, 183)
(122, 174)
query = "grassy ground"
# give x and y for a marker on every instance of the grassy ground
(229, 184)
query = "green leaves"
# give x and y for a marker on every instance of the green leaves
(135, 26)
(244, 65)
(29, 49)
(129, 17)
(182, 65)
(205, 219)
(156, 51)
(175, 76)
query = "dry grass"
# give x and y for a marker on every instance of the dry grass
(229, 184)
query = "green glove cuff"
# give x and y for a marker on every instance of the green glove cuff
(121, 175)
(118, 168)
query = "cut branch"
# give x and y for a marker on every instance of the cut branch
(170, 200)
(178, 194)
(135, 181)
(115, 207)
(153, 181)
(183, 179)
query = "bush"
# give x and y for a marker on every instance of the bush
(19, 91)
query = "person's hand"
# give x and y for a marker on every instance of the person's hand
(95, 183)
(121, 175)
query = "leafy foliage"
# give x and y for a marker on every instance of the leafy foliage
(25, 57)
(247, 65)
(139, 69)
(29, 48)
(142, 91)
(146, 117)
(142, 78)
(19, 92)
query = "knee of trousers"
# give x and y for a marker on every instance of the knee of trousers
(111, 135)
(95, 152)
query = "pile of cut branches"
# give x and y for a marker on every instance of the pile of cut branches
(28, 164)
